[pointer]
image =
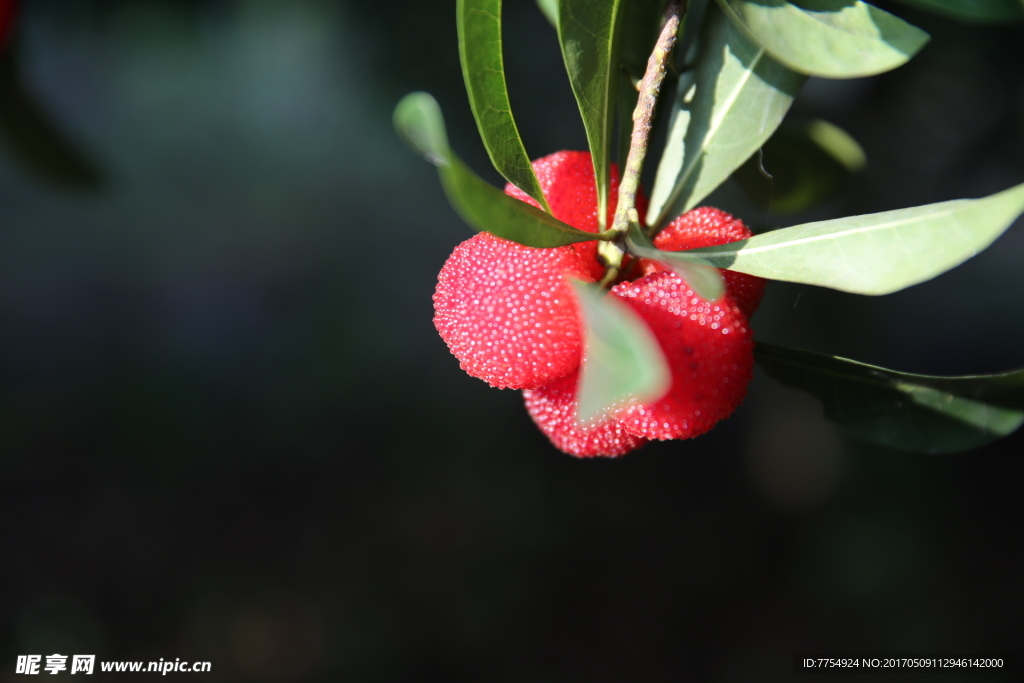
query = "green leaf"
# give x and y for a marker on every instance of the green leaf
(589, 35)
(803, 164)
(705, 279)
(622, 359)
(483, 69)
(733, 100)
(980, 11)
(418, 119)
(550, 10)
(920, 413)
(877, 253)
(828, 38)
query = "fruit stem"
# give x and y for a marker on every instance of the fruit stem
(610, 255)
(643, 115)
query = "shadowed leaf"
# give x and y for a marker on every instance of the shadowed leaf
(483, 69)
(920, 413)
(589, 33)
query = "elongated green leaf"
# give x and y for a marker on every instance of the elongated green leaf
(877, 253)
(622, 359)
(828, 38)
(589, 35)
(735, 99)
(705, 280)
(483, 69)
(981, 11)
(418, 119)
(920, 413)
(550, 10)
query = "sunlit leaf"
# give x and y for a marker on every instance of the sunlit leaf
(877, 253)
(920, 413)
(483, 69)
(802, 164)
(733, 100)
(828, 38)
(981, 11)
(705, 280)
(622, 358)
(418, 119)
(589, 34)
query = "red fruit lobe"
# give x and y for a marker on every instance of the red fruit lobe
(567, 181)
(553, 409)
(709, 349)
(707, 226)
(508, 313)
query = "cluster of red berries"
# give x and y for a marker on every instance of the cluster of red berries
(510, 316)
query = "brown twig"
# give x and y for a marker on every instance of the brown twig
(611, 252)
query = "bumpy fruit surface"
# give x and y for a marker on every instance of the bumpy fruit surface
(709, 350)
(508, 313)
(709, 227)
(553, 409)
(567, 181)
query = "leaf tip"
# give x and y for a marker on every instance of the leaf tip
(419, 122)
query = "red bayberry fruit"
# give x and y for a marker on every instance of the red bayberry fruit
(508, 313)
(567, 181)
(708, 227)
(553, 409)
(709, 350)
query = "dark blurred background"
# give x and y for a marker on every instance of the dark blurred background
(229, 431)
